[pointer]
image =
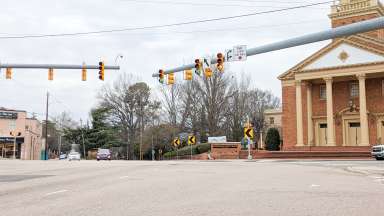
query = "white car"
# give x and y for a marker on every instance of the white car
(62, 157)
(378, 152)
(74, 156)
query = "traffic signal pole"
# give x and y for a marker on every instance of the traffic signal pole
(57, 66)
(342, 31)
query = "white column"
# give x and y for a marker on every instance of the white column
(299, 115)
(330, 122)
(363, 111)
(309, 114)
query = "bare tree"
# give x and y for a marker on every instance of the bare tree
(215, 93)
(170, 96)
(130, 108)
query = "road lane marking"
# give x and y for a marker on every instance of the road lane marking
(55, 192)
(123, 177)
(315, 185)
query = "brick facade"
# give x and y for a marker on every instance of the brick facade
(341, 99)
(349, 20)
(345, 108)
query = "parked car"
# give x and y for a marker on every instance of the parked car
(378, 152)
(62, 156)
(103, 154)
(74, 156)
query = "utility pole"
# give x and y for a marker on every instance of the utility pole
(46, 129)
(82, 137)
(152, 153)
(141, 130)
(61, 127)
(14, 144)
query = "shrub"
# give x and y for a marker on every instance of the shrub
(272, 141)
(196, 149)
(203, 148)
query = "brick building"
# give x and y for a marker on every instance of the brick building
(334, 99)
(272, 119)
(14, 124)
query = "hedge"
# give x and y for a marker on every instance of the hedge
(196, 149)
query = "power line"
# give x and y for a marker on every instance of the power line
(246, 28)
(267, 1)
(235, 28)
(205, 4)
(165, 25)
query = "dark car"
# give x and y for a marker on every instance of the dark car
(103, 154)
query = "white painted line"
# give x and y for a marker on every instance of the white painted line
(123, 177)
(56, 192)
(265, 160)
(315, 185)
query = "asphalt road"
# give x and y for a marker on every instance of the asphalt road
(264, 187)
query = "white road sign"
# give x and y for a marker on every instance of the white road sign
(237, 53)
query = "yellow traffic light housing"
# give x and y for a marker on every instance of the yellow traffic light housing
(220, 62)
(171, 79)
(188, 75)
(208, 72)
(161, 76)
(8, 73)
(83, 74)
(101, 70)
(50, 74)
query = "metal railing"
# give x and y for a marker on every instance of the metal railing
(354, 6)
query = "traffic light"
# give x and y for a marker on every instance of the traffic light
(198, 67)
(8, 73)
(161, 76)
(14, 133)
(188, 75)
(50, 74)
(220, 62)
(171, 78)
(83, 74)
(208, 72)
(101, 70)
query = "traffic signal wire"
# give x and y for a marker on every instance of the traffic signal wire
(165, 25)
(207, 4)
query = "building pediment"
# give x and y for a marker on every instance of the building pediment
(354, 50)
(344, 55)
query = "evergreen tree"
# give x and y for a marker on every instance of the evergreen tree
(272, 140)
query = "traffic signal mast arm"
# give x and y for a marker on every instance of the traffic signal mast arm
(342, 31)
(56, 66)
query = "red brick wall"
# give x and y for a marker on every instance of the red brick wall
(341, 98)
(349, 20)
(289, 116)
(375, 104)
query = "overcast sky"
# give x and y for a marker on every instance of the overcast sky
(145, 51)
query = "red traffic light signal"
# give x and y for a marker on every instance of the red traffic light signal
(161, 76)
(220, 62)
(101, 70)
(198, 66)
